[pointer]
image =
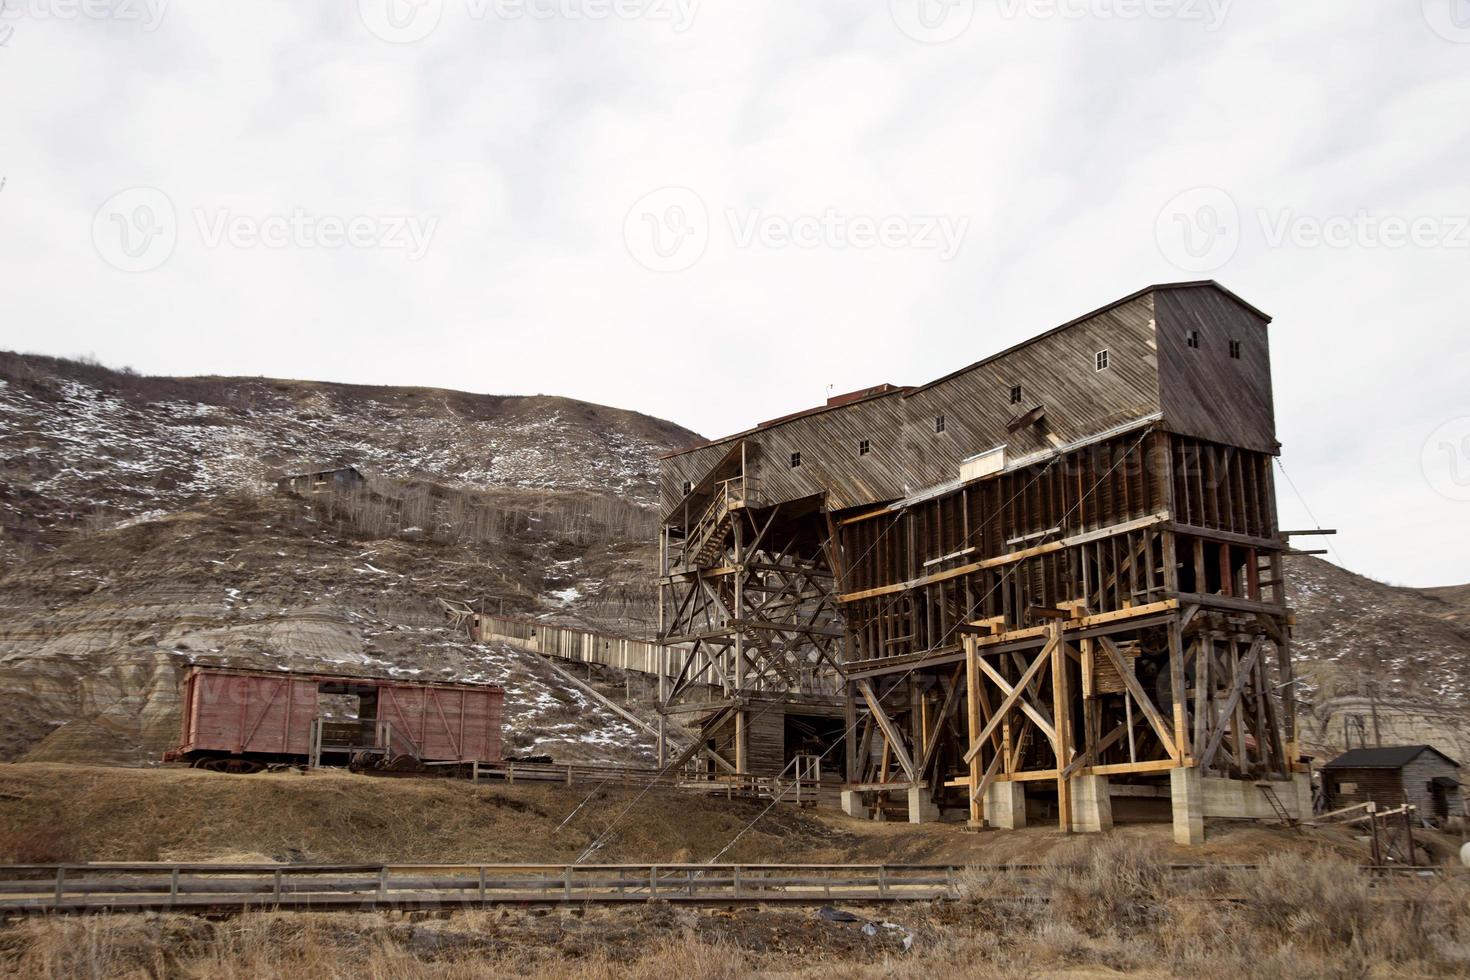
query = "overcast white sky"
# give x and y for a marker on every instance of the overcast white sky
(656, 203)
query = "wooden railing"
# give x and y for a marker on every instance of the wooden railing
(47, 888)
(132, 887)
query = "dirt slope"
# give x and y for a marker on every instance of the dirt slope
(96, 813)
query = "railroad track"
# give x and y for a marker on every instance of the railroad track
(184, 887)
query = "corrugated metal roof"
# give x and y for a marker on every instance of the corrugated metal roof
(1387, 757)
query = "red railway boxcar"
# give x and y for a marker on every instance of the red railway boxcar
(244, 720)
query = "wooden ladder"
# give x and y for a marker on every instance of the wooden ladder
(1269, 791)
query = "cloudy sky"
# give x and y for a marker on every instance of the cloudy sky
(656, 203)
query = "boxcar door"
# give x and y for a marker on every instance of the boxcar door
(265, 720)
(444, 721)
(403, 708)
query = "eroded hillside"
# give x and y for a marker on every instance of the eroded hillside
(81, 445)
(142, 533)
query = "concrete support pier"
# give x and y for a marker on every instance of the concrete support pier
(1189, 810)
(921, 806)
(853, 805)
(1005, 805)
(1092, 808)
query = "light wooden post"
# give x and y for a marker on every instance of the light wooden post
(741, 735)
(1176, 684)
(1061, 718)
(972, 713)
(850, 738)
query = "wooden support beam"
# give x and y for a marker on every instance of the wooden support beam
(1062, 742)
(1037, 666)
(972, 713)
(1007, 559)
(1236, 690)
(1032, 712)
(1145, 704)
(890, 730)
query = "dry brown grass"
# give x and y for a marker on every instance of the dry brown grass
(1100, 906)
(83, 813)
(1113, 905)
(1298, 918)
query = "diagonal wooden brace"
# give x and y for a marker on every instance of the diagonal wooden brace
(1043, 659)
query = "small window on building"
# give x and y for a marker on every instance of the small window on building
(1235, 349)
(795, 460)
(688, 488)
(1015, 394)
(864, 447)
(1191, 339)
(1100, 361)
(938, 423)
(1347, 787)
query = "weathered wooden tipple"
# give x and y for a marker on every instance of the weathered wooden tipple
(1054, 574)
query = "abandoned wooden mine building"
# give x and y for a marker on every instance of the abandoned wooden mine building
(1419, 775)
(1046, 585)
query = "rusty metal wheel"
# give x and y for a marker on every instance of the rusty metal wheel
(232, 764)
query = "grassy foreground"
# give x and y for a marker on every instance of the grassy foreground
(1100, 909)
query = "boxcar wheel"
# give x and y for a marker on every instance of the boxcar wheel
(232, 764)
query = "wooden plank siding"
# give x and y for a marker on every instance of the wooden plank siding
(1205, 392)
(584, 646)
(1411, 783)
(1150, 372)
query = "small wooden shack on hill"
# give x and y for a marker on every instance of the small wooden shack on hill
(1419, 775)
(322, 481)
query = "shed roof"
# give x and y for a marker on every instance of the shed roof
(1388, 757)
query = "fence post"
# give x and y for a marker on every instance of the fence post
(60, 888)
(567, 886)
(482, 884)
(883, 881)
(278, 886)
(383, 884)
(652, 881)
(736, 891)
